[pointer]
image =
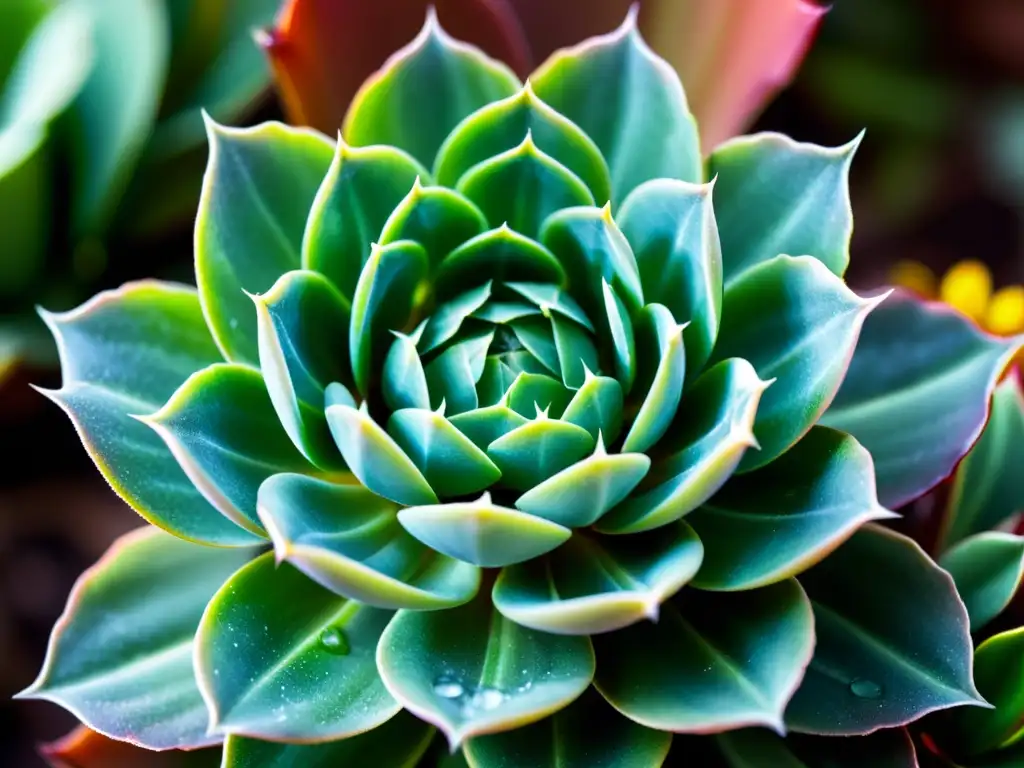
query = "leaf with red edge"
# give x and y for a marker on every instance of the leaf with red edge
(84, 748)
(321, 51)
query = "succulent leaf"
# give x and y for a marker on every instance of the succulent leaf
(712, 662)
(780, 520)
(752, 748)
(299, 360)
(260, 183)
(988, 489)
(638, 117)
(400, 742)
(350, 541)
(360, 191)
(916, 394)
(987, 569)
(222, 428)
(126, 352)
(279, 657)
(672, 230)
(500, 254)
(599, 584)
(797, 324)
(127, 632)
(868, 672)
(586, 734)
(470, 671)
(423, 91)
(437, 218)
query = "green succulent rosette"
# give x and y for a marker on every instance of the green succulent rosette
(498, 418)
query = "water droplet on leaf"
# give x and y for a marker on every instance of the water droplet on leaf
(334, 641)
(865, 689)
(448, 687)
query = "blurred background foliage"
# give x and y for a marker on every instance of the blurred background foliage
(102, 150)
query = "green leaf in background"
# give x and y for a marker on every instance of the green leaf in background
(797, 324)
(127, 633)
(774, 195)
(221, 427)
(987, 569)
(599, 584)
(999, 672)
(988, 487)
(423, 92)
(116, 108)
(586, 734)
(916, 393)
(398, 743)
(279, 657)
(758, 748)
(712, 662)
(361, 189)
(471, 671)
(783, 518)
(259, 186)
(630, 102)
(351, 542)
(671, 228)
(126, 352)
(868, 671)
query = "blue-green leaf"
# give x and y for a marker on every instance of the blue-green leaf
(630, 102)
(987, 569)
(499, 255)
(423, 91)
(530, 454)
(661, 371)
(774, 195)
(259, 185)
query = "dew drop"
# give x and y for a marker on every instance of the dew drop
(487, 698)
(448, 687)
(333, 640)
(865, 689)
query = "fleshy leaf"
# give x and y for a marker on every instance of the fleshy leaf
(597, 407)
(797, 324)
(630, 102)
(500, 126)
(375, 458)
(452, 376)
(127, 632)
(485, 425)
(671, 228)
(383, 303)
(221, 427)
(400, 742)
(868, 671)
(362, 187)
(470, 671)
(539, 449)
(599, 584)
(498, 255)
(998, 669)
(447, 318)
(783, 518)
(85, 748)
(988, 488)
(522, 186)
(706, 441)
(987, 569)
(259, 185)
(916, 393)
(712, 662)
(774, 195)
(423, 91)
(593, 250)
(531, 391)
(586, 734)
(449, 461)
(756, 748)
(116, 361)
(404, 382)
(350, 541)
(301, 326)
(661, 371)
(578, 495)
(279, 657)
(481, 532)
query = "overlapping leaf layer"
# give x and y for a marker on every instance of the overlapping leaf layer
(527, 412)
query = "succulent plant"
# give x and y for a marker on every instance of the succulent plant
(101, 140)
(533, 419)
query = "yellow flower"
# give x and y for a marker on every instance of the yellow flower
(967, 287)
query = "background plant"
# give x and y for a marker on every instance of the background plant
(493, 333)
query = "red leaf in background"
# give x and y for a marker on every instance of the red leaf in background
(84, 748)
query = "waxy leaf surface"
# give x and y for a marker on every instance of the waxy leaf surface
(987, 569)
